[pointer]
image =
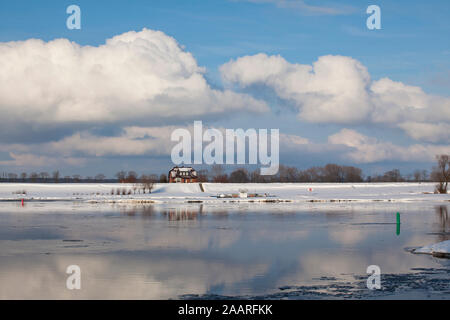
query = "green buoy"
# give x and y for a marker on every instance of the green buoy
(398, 223)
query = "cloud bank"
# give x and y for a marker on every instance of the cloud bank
(134, 77)
(339, 89)
(125, 97)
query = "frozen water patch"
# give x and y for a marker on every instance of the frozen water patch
(440, 249)
(423, 283)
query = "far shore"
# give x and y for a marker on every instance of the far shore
(222, 192)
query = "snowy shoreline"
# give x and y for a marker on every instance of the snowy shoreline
(222, 192)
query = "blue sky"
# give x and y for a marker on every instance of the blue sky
(413, 45)
(412, 48)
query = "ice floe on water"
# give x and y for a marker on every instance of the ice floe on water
(440, 249)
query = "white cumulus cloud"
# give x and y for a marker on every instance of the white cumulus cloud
(135, 76)
(364, 149)
(339, 89)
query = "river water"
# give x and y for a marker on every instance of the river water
(190, 251)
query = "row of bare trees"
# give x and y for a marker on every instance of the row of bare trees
(54, 177)
(133, 177)
(217, 173)
(328, 173)
(331, 173)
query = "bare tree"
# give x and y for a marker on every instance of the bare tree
(218, 174)
(255, 176)
(100, 177)
(393, 176)
(163, 178)
(441, 173)
(417, 175)
(147, 183)
(34, 176)
(425, 176)
(217, 170)
(314, 174)
(131, 177)
(333, 173)
(23, 176)
(352, 174)
(202, 175)
(121, 176)
(239, 176)
(55, 176)
(44, 176)
(285, 174)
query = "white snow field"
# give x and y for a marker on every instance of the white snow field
(266, 192)
(440, 248)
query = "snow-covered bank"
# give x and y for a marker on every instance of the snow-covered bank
(437, 249)
(271, 192)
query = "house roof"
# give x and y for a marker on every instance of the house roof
(183, 169)
(183, 172)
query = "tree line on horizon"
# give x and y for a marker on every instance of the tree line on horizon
(217, 173)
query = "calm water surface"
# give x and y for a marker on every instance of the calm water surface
(227, 250)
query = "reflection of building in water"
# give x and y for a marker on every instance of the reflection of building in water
(177, 214)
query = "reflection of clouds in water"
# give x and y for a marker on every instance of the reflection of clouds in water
(135, 228)
(410, 219)
(392, 261)
(176, 234)
(315, 265)
(119, 277)
(138, 237)
(336, 264)
(279, 235)
(348, 236)
(169, 250)
(99, 237)
(420, 240)
(344, 265)
(192, 239)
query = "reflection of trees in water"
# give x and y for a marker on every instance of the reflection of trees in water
(172, 214)
(176, 214)
(333, 215)
(444, 223)
(192, 213)
(220, 214)
(145, 211)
